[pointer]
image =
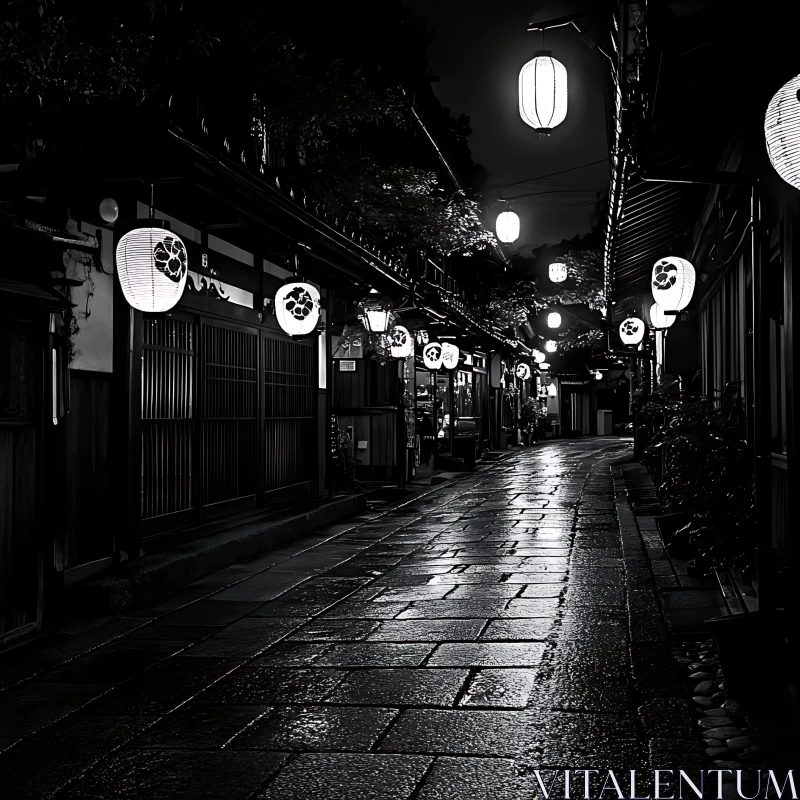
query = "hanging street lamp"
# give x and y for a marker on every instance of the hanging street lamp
(557, 272)
(632, 330)
(152, 265)
(507, 227)
(375, 312)
(782, 132)
(551, 346)
(543, 92)
(554, 319)
(672, 282)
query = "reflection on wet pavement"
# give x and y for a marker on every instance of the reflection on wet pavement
(499, 624)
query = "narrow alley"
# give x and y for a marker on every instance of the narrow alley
(442, 649)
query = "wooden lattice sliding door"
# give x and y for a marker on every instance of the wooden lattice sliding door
(229, 408)
(168, 364)
(289, 372)
(228, 419)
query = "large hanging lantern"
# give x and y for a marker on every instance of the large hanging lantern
(523, 371)
(543, 92)
(539, 356)
(401, 342)
(152, 265)
(507, 227)
(558, 272)
(658, 319)
(673, 283)
(375, 312)
(297, 308)
(432, 356)
(631, 330)
(551, 346)
(553, 319)
(450, 354)
(782, 131)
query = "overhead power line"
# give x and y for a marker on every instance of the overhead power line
(559, 172)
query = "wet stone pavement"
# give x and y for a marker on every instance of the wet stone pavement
(502, 623)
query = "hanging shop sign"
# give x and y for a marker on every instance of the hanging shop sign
(152, 265)
(450, 355)
(401, 342)
(631, 330)
(658, 319)
(673, 282)
(432, 356)
(297, 308)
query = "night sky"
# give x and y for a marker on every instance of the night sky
(477, 52)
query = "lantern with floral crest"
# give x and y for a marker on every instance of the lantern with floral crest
(432, 356)
(402, 343)
(631, 330)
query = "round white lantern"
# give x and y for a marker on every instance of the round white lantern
(432, 356)
(376, 312)
(782, 131)
(297, 308)
(658, 319)
(401, 342)
(558, 272)
(543, 92)
(152, 265)
(523, 372)
(598, 376)
(631, 330)
(551, 346)
(553, 319)
(672, 282)
(450, 355)
(507, 227)
(539, 356)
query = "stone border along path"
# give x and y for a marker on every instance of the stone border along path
(442, 649)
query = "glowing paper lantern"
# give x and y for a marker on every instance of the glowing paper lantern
(401, 342)
(523, 372)
(552, 390)
(658, 319)
(631, 330)
(598, 376)
(432, 355)
(553, 319)
(376, 312)
(507, 227)
(551, 346)
(673, 283)
(450, 355)
(109, 210)
(297, 308)
(558, 272)
(539, 356)
(782, 131)
(152, 267)
(543, 92)
(422, 337)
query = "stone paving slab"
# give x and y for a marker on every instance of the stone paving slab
(444, 649)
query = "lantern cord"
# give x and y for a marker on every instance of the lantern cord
(152, 204)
